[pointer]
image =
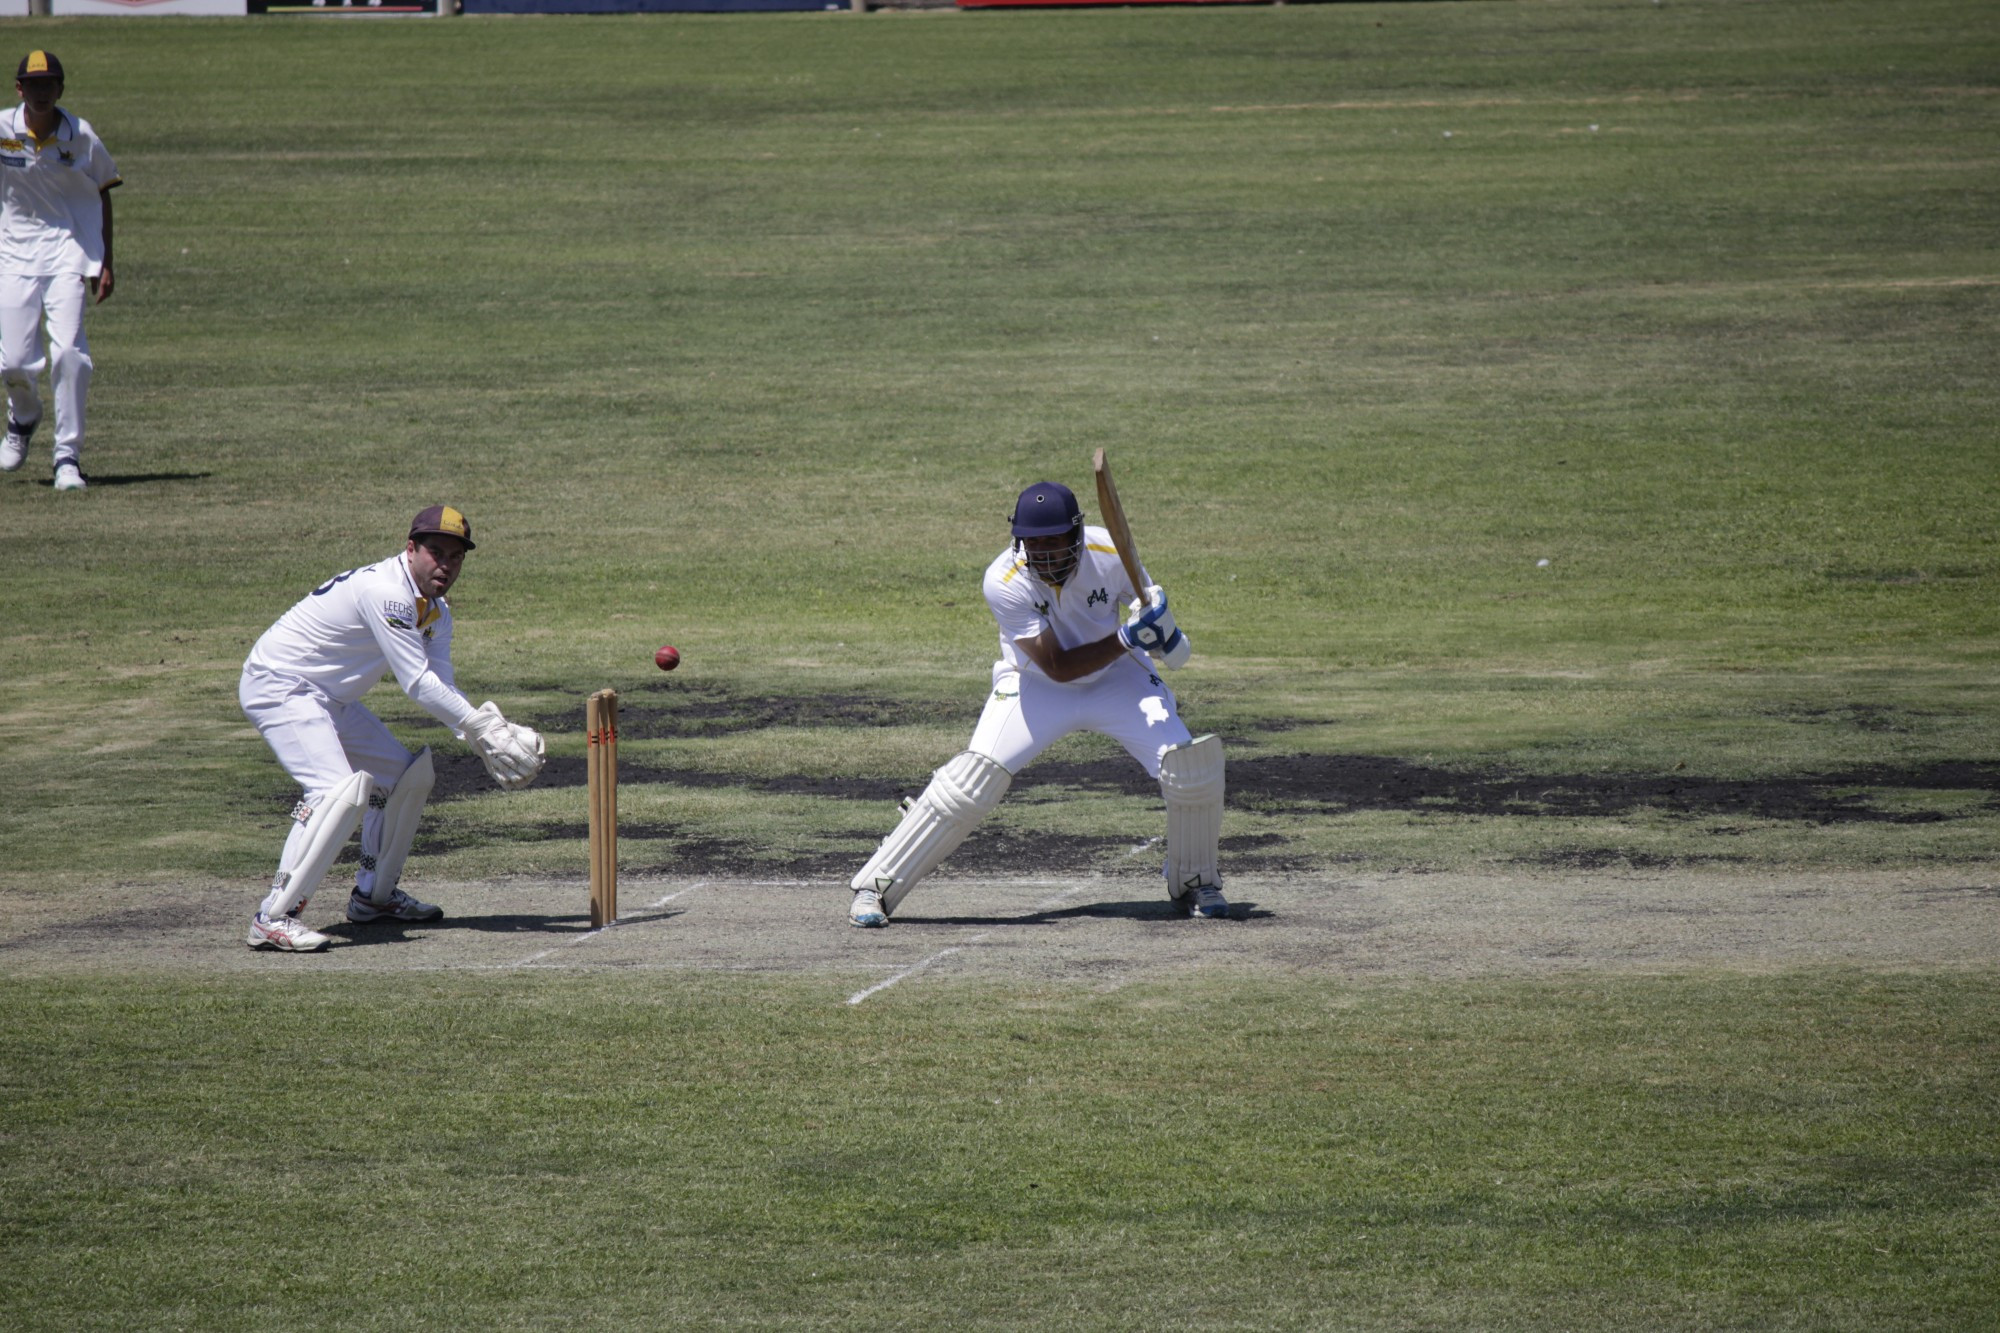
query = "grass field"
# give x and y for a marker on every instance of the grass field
(741, 333)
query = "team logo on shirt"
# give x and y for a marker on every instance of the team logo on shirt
(68, 158)
(1099, 596)
(399, 615)
(1041, 608)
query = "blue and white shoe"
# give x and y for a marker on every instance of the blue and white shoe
(400, 907)
(1207, 901)
(867, 910)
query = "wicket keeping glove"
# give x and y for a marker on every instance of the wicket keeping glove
(513, 754)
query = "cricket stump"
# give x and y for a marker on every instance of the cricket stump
(600, 724)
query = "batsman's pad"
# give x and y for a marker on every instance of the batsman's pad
(327, 830)
(401, 807)
(1191, 780)
(959, 795)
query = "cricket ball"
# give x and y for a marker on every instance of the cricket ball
(667, 658)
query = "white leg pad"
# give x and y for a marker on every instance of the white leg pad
(1191, 780)
(401, 808)
(959, 796)
(310, 856)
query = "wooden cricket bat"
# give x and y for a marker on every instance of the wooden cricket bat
(1113, 515)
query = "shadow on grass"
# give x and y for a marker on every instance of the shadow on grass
(98, 480)
(498, 923)
(1144, 909)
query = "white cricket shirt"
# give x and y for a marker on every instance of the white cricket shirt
(351, 629)
(51, 219)
(1090, 604)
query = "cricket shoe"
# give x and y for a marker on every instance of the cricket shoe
(400, 907)
(867, 910)
(1207, 901)
(69, 477)
(15, 447)
(287, 934)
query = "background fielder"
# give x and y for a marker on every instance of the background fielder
(55, 248)
(1066, 664)
(302, 685)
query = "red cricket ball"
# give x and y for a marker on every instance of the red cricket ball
(667, 658)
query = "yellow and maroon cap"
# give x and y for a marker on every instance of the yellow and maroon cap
(444, 521)
(38, 65)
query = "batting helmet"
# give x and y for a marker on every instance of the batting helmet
(1046, 509)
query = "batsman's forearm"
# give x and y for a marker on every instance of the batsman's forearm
(1084, 660)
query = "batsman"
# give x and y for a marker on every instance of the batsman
(302, 686)
(1069, 661)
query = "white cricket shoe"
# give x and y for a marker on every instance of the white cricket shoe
(287, 933)
(400, 907)
(1207, 901)
(69, 477)
(15, 447)
(867, 910)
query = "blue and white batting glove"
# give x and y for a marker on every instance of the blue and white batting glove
(1153, 631)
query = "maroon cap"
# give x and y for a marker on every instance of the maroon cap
(444, 521)
(38, 65)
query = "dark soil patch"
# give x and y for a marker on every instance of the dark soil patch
(1307, 784)
(1287, 785)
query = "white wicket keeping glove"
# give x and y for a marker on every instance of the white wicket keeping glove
(513, 754)
(1152, 630)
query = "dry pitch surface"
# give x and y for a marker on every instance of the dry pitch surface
(1097, 932)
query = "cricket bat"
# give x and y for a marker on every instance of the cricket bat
(1113, 515)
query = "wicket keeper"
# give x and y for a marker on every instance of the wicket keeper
(1067, 663)
(302, 686)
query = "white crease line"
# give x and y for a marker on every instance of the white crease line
(700, 884)
(593, 934)
(1150, 842)
(912, 969)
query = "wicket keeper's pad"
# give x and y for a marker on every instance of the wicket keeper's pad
(401, 807)
(960, 795)
(327, 830)
(1191, 780)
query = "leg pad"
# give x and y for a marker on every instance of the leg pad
(1191, 781)
(959, 796)
(327, 827)
(401, 808)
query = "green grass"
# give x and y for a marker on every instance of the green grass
(524, 1152)
(741, 333)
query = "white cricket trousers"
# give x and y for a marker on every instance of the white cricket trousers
(27, 303)
(321, 743)
(1027, 712)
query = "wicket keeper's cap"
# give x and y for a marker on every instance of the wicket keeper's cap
(1046, 509)
(444, 521)
(38, 65)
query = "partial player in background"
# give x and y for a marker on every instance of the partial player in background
(55, 249)
(302, 686)
(1067, 664)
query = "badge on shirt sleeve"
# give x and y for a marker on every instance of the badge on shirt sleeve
(399, 615)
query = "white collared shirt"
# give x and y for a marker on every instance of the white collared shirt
(1090, 604)
(51, 218)
(346, 633)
